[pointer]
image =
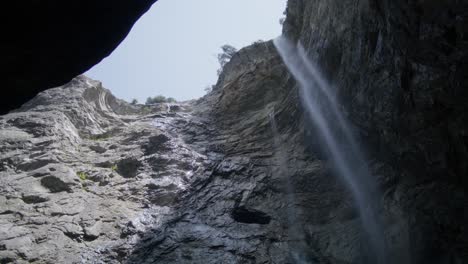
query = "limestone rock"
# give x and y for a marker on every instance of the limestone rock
(77, 181)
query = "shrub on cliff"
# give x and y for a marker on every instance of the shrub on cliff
(159, 99)
(225, 56)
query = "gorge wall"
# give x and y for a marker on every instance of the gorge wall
(89, 178)
(398, 67)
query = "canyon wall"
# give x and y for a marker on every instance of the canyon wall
(398, 67)
(205, 181)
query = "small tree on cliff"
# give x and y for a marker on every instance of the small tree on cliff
(159, 99)
(134, 102)
(225, 56)
(209, 88)
(171, 100)
(283, 19)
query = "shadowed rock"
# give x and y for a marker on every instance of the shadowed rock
(128, 168)
(250, 216)
(55, 184)
(40, 52)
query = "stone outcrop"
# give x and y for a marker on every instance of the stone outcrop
(83, 175)
(47, 43)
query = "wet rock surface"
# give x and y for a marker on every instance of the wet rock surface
(75, 189)
(397, 67)
(115, 183)
(198, 183)
(241, 210)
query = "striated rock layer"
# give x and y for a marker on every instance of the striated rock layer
(84, 175)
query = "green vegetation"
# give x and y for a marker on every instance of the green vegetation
(260, 41)
(134, 102)
(159, 99)
(225, 56)
(145, 110)
(98, 137)
(283, 19)
(114, 167)
(209, 88)
(82, 175)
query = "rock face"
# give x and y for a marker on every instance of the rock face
(88, 178)
(47, 43)
(83, 174)
(399, 68)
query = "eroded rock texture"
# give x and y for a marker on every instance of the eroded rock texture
(399, 68)
(88, 178)
(47, 43)
(83, 174)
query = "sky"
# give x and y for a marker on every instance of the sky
(172, 49)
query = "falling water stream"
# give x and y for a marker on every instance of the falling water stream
(296, 235)
(336, 134)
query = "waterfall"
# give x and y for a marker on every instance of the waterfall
(338, 141)
(298, 247)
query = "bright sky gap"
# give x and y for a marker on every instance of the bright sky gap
(172, 49)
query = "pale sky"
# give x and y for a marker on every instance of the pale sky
(172, 49)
